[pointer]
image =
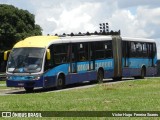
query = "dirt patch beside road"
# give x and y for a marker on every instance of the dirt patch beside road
(10, 91)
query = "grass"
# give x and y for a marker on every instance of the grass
(137, 95)
(3, 85)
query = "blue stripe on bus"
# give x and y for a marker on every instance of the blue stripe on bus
(138, 62)
(82, 72)
(49, 78)
(81, 67)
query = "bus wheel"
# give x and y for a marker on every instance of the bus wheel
(29, 89)
(142, 73)
(100, 76)
(60, 82)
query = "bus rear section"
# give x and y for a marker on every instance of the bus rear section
(139, 57)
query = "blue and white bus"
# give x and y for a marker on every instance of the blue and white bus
(53, 61)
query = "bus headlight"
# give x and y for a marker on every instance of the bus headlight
(36, 78)
(8, 77)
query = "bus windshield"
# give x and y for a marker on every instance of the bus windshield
(25, 60)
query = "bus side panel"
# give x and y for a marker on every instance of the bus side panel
(135, 66)
(50, 77)
(83, 73)
(151, 71)
(92, 75)
(109, 73)
(82, 70)
(78, 78)
(107, 65)
(126, 72)
(135, 72)
(50, 81)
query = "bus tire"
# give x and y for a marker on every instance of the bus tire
(29, 89)
(100, 76)
(142, 75)
(143, 72)
(60, 82)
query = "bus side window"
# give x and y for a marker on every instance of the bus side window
(60, 53)
(139, 50)
(92, 54)
(151, 50)
(133, 49)
(83, 52)
(108, 49)
(138, 47)
(144, 47)
(154, 50)
(74, 53)
(99, 50)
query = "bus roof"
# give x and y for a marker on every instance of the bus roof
(137, 39)
(36, 41)
(76, 39)
(46, 41)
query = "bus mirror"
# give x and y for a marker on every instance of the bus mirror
(48, 54)
(6, 54)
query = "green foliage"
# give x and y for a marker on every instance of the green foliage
(16, 24)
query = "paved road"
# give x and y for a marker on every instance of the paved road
(14, 91)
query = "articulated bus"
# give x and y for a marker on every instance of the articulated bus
(54, 61)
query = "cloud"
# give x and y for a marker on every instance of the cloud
(67, 19)
(74, 16)
(76, 19)
(138, 18)
(85, 15)
(137, 3)
(134, 18)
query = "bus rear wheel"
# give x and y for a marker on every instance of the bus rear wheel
(142, 75)
(100, 76)
(60, 83)
(143, 72)
(29, 89)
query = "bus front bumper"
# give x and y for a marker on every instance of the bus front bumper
(25, 83)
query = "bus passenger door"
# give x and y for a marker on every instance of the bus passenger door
(91, 56)
(117, 56)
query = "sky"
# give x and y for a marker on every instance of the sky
(136, 18)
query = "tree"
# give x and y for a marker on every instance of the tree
(15, 25)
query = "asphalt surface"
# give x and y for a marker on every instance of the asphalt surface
(15, 91)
